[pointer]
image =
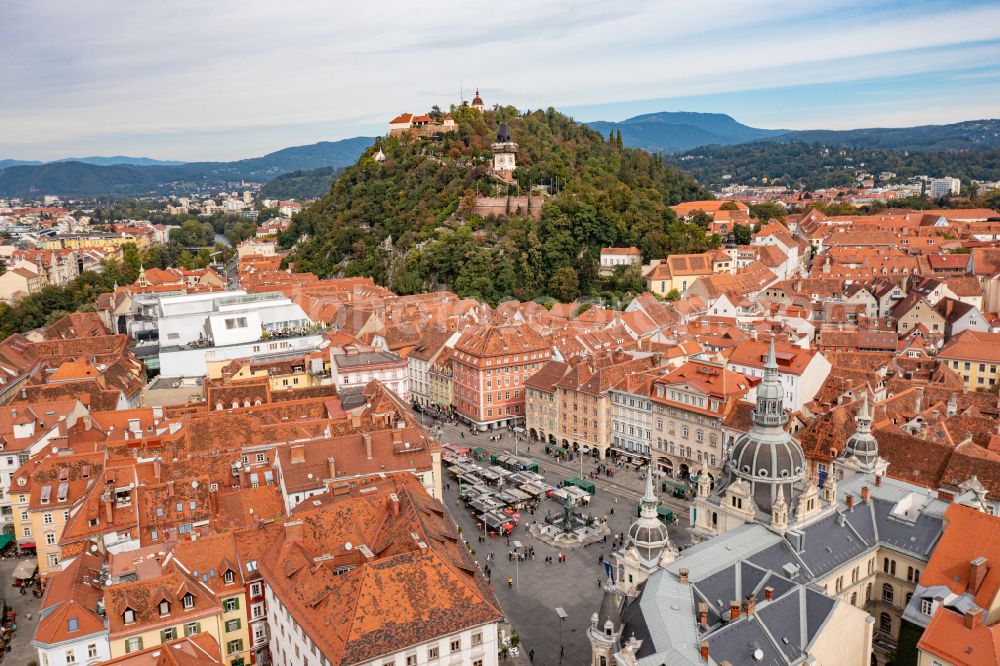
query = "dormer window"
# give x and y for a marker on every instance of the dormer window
(188, 601)
(128, 616)
(164, 607)
(228, 577)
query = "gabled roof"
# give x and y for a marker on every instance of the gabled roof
(405, 578)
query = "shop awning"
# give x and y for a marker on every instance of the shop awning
(26, 545)
(675, 485)
(6, 539)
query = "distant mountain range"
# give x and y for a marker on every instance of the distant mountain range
(96, 160)
(677, 131)
(664, 132)
(674, 132)
(133, 176)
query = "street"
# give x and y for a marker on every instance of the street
(539, 587)
(20, 649)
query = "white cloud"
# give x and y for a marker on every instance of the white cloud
(228, 79)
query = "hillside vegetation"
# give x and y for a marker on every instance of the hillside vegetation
(300, 185)
(405, 222)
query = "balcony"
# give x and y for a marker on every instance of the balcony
(884, 642)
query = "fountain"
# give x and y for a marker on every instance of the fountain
(569, 530)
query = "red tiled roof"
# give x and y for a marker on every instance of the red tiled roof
(406, 577)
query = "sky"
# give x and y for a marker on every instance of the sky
(227, 79)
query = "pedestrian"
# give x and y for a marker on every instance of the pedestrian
(531, 655)
(612, 511)
(510, 582)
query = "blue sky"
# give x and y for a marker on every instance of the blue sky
(238, 78)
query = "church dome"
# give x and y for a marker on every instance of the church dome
(767, 457)
(758, 458)
(477, 100)
(647, 534)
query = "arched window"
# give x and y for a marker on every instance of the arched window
(868, 592)
(887, 592)
(854, 598)
(885, 622)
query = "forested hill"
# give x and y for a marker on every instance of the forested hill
(811, 166)
(604, 195)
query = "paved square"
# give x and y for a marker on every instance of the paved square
(573, 585)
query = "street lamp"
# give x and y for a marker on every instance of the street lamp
(562, 618)
(517, 558)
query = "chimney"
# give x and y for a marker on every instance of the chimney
(683, 575)
(213, 501)
(768, 593)
(368, 445)
(703, 614)
(293, 531)
(397, 437)
(331, 467)
(170, 488)
(978, 569)
(298, 453)
(88, 422)
(751, 604)
(850, 502)
(394, 504)
(973, 616)
(704, 651)
(734, 611)
(918, 406)
(157, 469)
(878, 480)
(109, 507)
(158, 412)
(865, 493)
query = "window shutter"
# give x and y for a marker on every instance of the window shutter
(163, 635)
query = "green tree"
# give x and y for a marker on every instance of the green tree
(729, 205)
(131, 261)
(742, 234)
(564, 285)
(767, 211)
(673, 295)
(630, 280)
(700, 218)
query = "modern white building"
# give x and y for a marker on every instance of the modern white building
(196, 330)
(944, 187)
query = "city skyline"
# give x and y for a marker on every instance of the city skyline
(234, 82)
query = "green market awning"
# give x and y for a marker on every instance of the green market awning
(667, 483)
(6, 539)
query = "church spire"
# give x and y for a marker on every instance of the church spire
(864, 417)
(649, 500)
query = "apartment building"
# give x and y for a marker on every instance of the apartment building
(689, 408)
(490, 365)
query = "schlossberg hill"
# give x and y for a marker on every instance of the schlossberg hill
(432, 215)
